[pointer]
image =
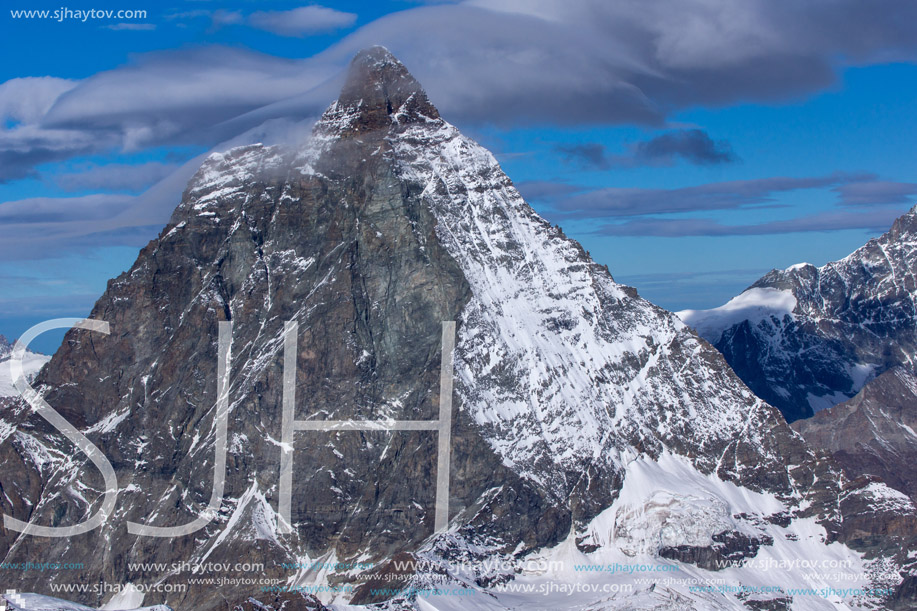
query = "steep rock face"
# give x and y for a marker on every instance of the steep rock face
(872, 434)
(849, 321)
(386, 223)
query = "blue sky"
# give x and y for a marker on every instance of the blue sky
(692, 145)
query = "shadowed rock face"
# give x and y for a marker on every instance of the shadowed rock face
(872, 434)
(386, 223)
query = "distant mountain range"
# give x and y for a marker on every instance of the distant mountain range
(806, 338)
(839, 342)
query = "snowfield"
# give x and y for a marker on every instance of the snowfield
(753, 305)
(31, 365)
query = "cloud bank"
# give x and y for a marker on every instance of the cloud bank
(503, 62)
(507, 62)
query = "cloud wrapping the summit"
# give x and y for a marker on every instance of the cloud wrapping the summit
(531, 62)
(504, 62)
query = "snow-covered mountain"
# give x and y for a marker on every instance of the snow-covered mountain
(32, 362)
(590, 429)
(806, 338)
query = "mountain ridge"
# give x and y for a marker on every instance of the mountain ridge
(849, 320)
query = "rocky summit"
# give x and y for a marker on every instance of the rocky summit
(588, 427)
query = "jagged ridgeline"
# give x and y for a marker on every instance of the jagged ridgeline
(585, 420)
(806, 338)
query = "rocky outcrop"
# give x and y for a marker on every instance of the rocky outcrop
(729, 548)
(873, 434)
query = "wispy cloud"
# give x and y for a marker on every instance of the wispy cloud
(692, 145)
(298, 22)
(47, 227)
(115, 176)
(878, 220)
(128, 27)
(583, 63)
(546, 190)
(734, 194)
(26, 100)
(302, 21)
(24, 147)
(877, 193)
(661, 212)
(588, 154)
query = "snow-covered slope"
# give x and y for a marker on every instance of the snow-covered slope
(806, 338)
(32, 362)
(566, 369)
(633, 556)
(754, 305)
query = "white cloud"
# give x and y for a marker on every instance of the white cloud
(490, 61)
(26, 100)
(115, 177)
(194, 91)
(302, 21)
(139, 27)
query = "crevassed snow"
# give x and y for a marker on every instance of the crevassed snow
(563, 577)
(754, 305)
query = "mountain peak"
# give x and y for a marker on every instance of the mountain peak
(379, 90)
